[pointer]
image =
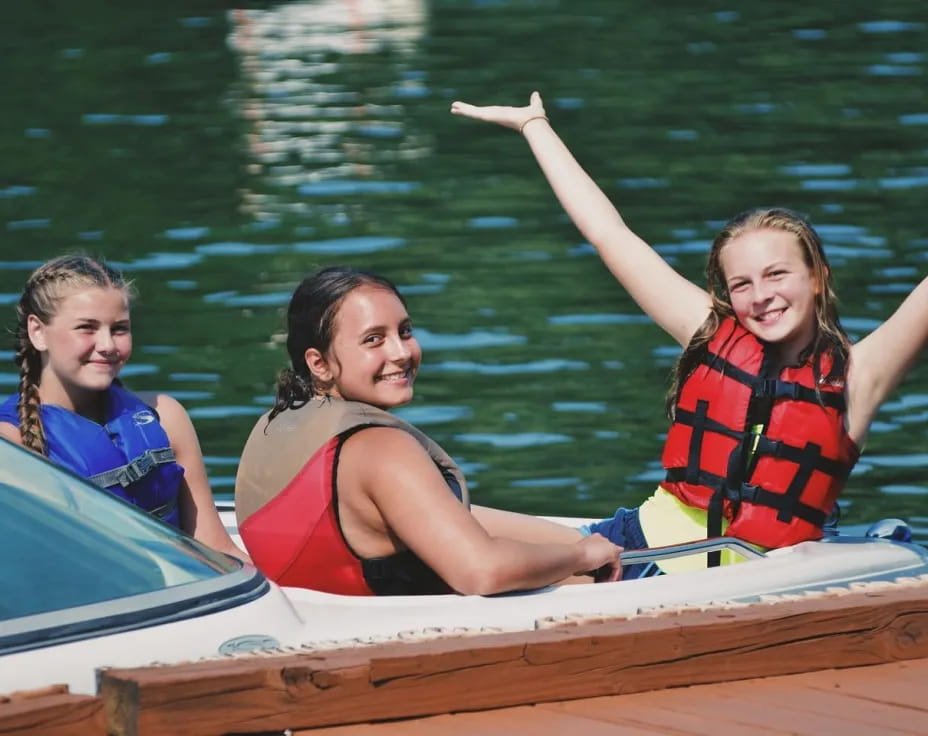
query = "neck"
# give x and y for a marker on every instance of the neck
(89, 404)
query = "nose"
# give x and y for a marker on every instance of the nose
(105, 342)
(399, 349)
(761, 292)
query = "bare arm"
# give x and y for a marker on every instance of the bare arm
(500, 523)
(387, 468)
(198, 513)
(675, 303)
(880, 361)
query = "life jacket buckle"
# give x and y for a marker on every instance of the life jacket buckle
(139, 468)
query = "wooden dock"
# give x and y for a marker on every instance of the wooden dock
(885, 699)
(660, 672)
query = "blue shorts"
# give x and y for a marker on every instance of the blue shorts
(624, 529)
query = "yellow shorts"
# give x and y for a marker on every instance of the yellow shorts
(665, 520)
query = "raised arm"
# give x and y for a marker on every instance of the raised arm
(880, 361)
(388, 469)
(676, 304)
(198, 514)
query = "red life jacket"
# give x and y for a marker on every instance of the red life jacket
(293, 534)
(289, 536)
(776, 488)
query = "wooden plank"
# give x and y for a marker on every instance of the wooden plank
(57, 714)
(804, 703)
(526, 720)
(612, 657)
(740, 712)
(649, 713)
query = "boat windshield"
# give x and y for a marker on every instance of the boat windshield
(66, 544)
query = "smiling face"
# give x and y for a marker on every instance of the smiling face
(772, 288)
(83, 346)
(373, 356)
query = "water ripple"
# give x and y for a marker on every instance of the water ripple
(586, 407)
(350, 246)
(550, 365)
(342, 188)
(599, 319)
(424, 415)
(514, 441)
(467, 341)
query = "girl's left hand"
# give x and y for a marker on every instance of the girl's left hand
(508, 117)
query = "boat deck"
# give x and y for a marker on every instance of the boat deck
(884, 699)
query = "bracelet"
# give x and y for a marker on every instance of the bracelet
(534, 117)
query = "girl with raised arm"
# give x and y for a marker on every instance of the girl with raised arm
(333, 493)
(73, 336)
(769, 404)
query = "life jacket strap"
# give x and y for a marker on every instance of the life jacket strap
(135, 470)
(775, 388)
(165, 510)
(804, 457)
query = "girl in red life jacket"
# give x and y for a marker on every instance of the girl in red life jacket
(73, 337)
(334, 493)
(768, 451)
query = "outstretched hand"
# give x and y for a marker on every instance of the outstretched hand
(508, 117)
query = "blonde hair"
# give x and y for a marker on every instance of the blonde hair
(42, 295)
(829, 335)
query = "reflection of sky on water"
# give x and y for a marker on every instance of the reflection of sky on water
(599, 319)
(583, 407)
(473, 340)
(223, 412)
(513, 441)
(425, 415)
(310, 133)
(551, 365)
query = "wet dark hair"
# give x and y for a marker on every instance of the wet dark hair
(310, 321)
(829, 335)
(44, 290)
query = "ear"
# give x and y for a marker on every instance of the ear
(318, 366)
(35, 329)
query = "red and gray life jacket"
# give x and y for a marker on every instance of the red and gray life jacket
(776, 486)
(286, 501)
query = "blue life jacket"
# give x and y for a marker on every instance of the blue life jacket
(130, 455)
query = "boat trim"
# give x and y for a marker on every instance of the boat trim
(94, 620)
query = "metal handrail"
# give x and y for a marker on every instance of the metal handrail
(698, 546)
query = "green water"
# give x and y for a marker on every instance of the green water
(219, 155)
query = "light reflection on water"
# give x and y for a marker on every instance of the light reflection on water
(301, 135)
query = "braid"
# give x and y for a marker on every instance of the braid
(293, 391)
(30, 419)
(43, 292)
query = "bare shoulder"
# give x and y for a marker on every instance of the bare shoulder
(374, 454)
(167, 407)
(385, 444)
(173, 418)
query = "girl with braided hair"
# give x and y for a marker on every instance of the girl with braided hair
(73, 336)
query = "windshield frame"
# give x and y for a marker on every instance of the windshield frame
(222, 583)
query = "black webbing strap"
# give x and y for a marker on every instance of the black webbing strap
(729, 370)
(783, 503)
(699, 430)
(701, 422)
(807, 463)
(776, 389)
(801, 456)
